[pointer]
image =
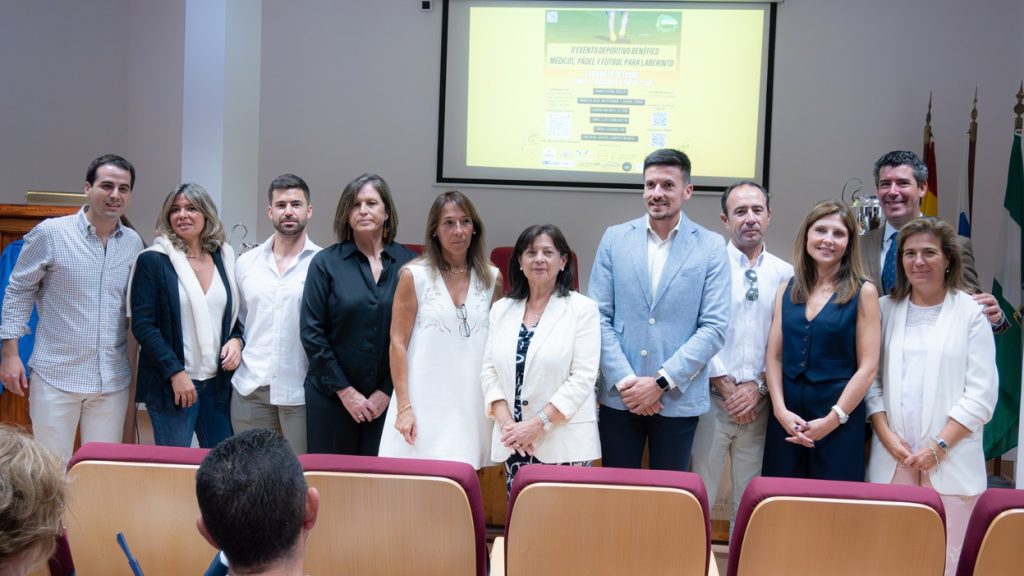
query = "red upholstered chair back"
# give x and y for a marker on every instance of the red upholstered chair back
(147, 492)
(823, 527)
(417, 248)
(596, 521)
(382, 516)
(995, 535)
(500, 257)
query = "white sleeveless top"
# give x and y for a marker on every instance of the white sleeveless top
(444, 374)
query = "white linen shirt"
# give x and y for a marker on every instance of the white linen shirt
(269, 305)
(746, 339)
(657, 252)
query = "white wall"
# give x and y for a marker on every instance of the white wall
(348, 87)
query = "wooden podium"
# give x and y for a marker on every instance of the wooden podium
(15, 221)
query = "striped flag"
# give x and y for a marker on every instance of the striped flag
(1001, 432)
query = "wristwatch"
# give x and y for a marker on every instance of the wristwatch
(762, 388)
(662, 383)
(544, 420)
(843, 416)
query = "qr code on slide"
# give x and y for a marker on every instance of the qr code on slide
(658, 140)
(659, 119)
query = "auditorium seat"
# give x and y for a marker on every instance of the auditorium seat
(787, 526)
(500, 257)
(605, 521)
(147, 492)
(417, 248)
(994, 544)
(384, 516)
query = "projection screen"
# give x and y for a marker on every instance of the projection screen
(577, 93)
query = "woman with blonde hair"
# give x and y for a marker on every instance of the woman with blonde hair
(439, 329)
(822, 353)
(938, 384)
(184, 305)
(32, 483)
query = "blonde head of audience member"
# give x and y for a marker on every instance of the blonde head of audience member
(32, 483)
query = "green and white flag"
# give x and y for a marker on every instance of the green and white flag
(1001, 432)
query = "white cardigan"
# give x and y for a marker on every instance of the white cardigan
(961, 383)
(561, 368)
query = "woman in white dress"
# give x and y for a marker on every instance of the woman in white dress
(937, 383)
(439, 330)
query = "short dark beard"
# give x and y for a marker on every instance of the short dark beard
(295, 232)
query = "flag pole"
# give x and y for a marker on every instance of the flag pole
(971, 153)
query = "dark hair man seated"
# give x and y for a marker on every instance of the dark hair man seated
(254, 504)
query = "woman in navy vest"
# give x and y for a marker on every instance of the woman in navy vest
(822, 353)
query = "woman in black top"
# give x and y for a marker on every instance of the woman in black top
(346, 320)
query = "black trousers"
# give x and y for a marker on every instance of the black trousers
(330, 429)
(623, 435)
(838, 456)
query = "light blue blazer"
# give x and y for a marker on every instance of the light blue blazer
(679, 328)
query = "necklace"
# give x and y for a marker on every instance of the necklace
(197, 258)
(455, 270)
(536, 315)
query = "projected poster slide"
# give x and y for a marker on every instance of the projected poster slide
(605, 86)
(587, 90)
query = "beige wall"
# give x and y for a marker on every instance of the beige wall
(80, 79)
(851, 82)
(348, 87)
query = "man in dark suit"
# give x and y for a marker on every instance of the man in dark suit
(901, 179)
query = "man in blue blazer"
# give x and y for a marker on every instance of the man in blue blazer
(662, 284)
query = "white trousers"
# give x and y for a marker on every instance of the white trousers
(717, 436)
(56, 414)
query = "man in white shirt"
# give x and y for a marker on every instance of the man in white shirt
(740, 407)
(268, 385)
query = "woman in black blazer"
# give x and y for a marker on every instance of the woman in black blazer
(346, 322)
(184, 305)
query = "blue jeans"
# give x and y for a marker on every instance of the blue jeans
(209, 417)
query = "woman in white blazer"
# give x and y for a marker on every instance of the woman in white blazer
(541, 360)
(937, 384)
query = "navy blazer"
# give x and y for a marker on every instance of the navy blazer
(156, 324)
